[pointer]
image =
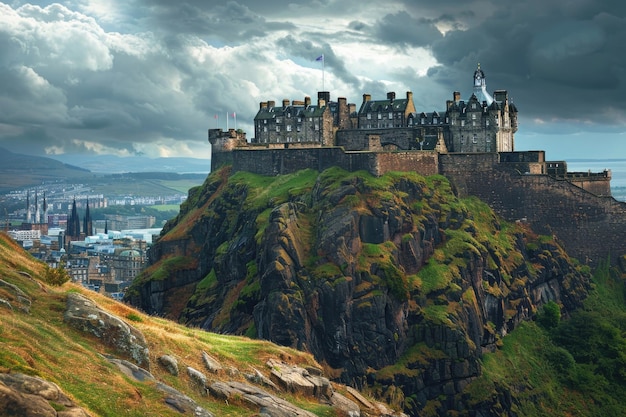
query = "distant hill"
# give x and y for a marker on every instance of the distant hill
(18, 170)
(111, 164)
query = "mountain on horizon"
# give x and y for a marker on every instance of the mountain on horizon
(111, 164)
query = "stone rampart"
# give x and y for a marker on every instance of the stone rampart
(588, 226)
(288, 160)
(358, 139)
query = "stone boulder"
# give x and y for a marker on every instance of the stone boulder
(269, 404)
(299, 380)
(210, 363)
(174, 398)
(28, 396)
(169, 363)
(11, 297)
(84, 315)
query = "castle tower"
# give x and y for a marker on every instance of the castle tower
(480, 87)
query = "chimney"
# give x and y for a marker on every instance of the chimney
(323, 95)
(391, 96)
(285, 103)
(271, 103)
(457, 96)
(297, 103)
(307, 101)
(263, 105)
(367, 97)
(409, 96)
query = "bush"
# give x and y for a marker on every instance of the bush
(56, 276)
(549, 316)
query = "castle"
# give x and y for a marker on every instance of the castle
(471, 142)
(386, 135)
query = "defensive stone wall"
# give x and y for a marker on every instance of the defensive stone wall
(288, 160)
(589, 227)
(358, 139)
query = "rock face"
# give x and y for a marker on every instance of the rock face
(85, 315)
(365, 273)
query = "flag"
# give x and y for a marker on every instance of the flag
(216, 116)
(320, 58)
(234, 115)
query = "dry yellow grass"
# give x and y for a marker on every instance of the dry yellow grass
(41, 344)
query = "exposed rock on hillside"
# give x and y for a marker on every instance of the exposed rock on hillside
(74, 353)
(85, 315)
(393, 282)
(27, 396)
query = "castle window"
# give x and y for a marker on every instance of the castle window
(298, 128)
(486, 122)
(265, 121)
(473, 116)
(473, 106)
(279, 120)
(317, 126)
(369, 116)
(474, 139)
(265, 128)
(380, 116)
(277, 128)
(390, 115)
(288, 128)
(289, 115)
(462, 122)
(299, 119)
(435, 120)
(423, 121)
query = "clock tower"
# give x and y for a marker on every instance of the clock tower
(480, 87)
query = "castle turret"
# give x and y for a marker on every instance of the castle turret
(480, 87)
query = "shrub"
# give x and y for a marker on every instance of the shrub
(550, 315)
(56, 276)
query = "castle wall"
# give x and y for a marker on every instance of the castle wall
(289, 160)
(358, 139)
(587, 226)
(424, 163)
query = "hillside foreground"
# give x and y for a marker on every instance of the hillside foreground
(67, 351)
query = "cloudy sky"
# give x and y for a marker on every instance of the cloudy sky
(148, 77)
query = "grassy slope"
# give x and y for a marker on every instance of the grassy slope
(579, 375)
(41, 344)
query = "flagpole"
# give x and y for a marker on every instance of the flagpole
(227, 121)
(235, 117)
(323, 71)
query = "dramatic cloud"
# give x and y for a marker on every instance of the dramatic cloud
(150, 77)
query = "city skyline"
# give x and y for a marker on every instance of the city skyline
(149, 78)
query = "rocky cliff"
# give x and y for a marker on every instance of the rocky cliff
(393, 283)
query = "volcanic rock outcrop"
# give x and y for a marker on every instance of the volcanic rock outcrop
(393, 283)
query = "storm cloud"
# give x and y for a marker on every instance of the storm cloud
(150, 77)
